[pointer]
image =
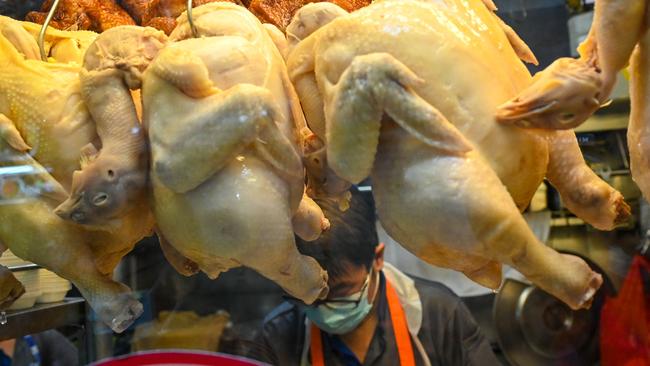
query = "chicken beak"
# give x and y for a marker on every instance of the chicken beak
(69, 209)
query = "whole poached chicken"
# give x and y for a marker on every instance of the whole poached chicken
(224, 127)
(44, 126)
(405, 92)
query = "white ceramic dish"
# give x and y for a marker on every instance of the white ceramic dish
(57, 288)
(48, 297)
(29, 279)
(26, 301)
(9, 259)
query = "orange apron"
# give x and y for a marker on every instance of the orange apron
(400, 329)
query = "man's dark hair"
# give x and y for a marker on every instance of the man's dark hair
(351, 239)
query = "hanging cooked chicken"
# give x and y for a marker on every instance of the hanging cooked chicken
(404, 92)
(223, 124)
(44, 127)
(114, 178)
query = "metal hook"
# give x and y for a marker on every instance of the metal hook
(41, 35)
(190, 19)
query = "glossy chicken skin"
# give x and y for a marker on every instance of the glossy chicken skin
(58, 129)
(44, 124)
(223, 124)
(448, 180)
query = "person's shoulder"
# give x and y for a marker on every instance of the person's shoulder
(281, 318)
(282, 311)
(436, 295)
(279, 339)
(56, 349)
(433, 288)
(51, 338)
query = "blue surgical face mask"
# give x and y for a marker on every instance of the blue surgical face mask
(340, 317)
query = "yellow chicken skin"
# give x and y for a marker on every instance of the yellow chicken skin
(44, 128)
(404, 92)
(225, 130)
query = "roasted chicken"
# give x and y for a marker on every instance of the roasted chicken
(94, 15)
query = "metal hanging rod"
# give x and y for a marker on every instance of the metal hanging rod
(190, 19)
(41, 34)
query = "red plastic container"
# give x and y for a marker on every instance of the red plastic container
(177, 358)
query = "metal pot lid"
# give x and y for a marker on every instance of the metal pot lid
(535, 328)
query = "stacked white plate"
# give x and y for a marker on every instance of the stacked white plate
(29, 279)
(53, 287)
(9, 259)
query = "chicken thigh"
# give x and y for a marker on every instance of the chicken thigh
(448, 180)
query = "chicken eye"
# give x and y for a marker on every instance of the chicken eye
(100, 199)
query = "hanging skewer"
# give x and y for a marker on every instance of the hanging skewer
(41, 35)
(190, 19)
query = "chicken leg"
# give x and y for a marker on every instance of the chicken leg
(245, 114)
(372, 85)
(582, 191)
(21, 39)
(638, 131)
(69, 252)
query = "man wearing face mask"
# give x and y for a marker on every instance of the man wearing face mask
(373, 314)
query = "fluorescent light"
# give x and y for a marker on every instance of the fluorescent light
(14, 170)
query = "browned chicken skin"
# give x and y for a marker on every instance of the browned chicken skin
(92, 15)
(99, 15)
(165, 24)
(276, 12)
(160, 14)
(280, 12)
(143, 11)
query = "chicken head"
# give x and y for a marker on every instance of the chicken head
(114, 177)
(564, 95)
